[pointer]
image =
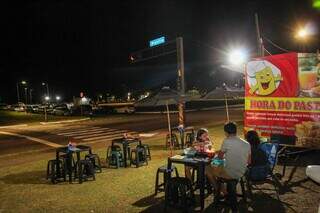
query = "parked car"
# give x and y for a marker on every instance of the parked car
(21, 107)
(4, 106)
(32, 108)
(62, 109)
(82, 110)
(126, 109)
(49, 108)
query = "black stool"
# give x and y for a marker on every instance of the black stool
(189, 139)
(52, 170)
(174, 140)
(86, 170)
(114, 156)
(95, 161)
(147, 150)
(163, 169)
(180, 193)
(138, 156)
(231, 198)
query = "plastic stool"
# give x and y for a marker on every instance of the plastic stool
(160, 187)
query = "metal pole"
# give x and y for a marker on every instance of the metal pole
(30, 94)
(45, 113)
(18, 94)
(259, 38)
(180, 82)
(26, 94)
(227, 109)
(47, 89)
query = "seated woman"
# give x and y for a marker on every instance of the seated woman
(201, 144)
(258, 167)
(258, 156)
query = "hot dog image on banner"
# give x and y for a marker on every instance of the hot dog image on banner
(282, 96)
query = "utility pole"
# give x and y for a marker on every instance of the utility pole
(259, 38)
(26, 94)
(180, 81)
(30, 95)
(18, 94)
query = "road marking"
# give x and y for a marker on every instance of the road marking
(106, 136)
(87, 132)
(64, 121)
(45, 142)
(13, 126)
(83, 133)
(98, 134)
(147, 135)
(67, 131)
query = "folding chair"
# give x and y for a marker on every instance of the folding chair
(259, 175)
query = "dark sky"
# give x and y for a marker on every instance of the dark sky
(84, 45)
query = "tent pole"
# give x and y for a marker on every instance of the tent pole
(227, 109)
(169, 126)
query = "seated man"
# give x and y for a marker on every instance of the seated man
(236, 153)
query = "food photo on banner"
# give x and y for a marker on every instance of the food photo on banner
(282, 97)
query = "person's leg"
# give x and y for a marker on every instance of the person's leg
(187, 171)
(214, 172)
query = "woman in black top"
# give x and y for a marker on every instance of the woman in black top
(258, 156)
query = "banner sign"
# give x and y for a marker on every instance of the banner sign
(282, 96)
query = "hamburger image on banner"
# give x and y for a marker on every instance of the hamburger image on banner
(263, 77)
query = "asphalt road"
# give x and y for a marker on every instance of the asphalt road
(39, 139)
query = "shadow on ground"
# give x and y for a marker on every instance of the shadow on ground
(261, 202)
(32, 177)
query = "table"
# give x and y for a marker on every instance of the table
(69, 152)
(285, 152)
(199, 163)
(125, 142)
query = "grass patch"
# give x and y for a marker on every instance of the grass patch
(23, 188)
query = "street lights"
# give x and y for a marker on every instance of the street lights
(18, 94)
(58, 98)
(305, 34)
(237, 57)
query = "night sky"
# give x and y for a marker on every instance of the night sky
(85, 45)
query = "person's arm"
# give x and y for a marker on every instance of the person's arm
(221, 154)
(249, 156)
(223, 150)
(249, 159)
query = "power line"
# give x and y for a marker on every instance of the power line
(275, 45)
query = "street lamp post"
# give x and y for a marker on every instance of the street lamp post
(26, 94)
(47, 86)
(18, 93)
